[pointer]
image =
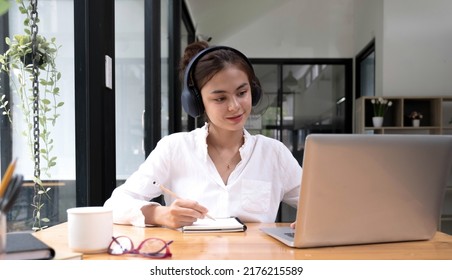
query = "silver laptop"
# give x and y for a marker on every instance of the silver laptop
(361, 189)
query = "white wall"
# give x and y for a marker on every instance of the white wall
(413, 45)
(368, 25)
(417, 48)
(279, 28)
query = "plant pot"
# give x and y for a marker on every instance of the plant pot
(377, 121)
(28, 59)
(416, 122)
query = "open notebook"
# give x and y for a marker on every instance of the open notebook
(231, 224)
(359, 189)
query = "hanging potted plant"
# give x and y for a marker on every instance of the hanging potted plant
(30, 64)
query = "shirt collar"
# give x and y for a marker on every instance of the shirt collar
(201, 142)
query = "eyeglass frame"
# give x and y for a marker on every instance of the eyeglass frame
(136, 251)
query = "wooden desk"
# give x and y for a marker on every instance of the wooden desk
(255, 245)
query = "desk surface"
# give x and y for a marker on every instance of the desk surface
(255, 245)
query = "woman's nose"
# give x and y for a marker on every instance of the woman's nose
(233, 104)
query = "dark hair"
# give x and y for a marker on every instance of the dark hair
(212, 63)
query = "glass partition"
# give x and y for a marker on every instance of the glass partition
(299, 99)
(129, 79)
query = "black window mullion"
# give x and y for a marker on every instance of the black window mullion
(174, 86)
(95, 103)
(6, 148)
(152, 74)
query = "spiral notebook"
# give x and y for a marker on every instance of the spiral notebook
(230, 224)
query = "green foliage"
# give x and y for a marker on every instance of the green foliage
(17, 62)
(4, 6)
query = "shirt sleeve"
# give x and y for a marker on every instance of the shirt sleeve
(127, 208)
(127, 200)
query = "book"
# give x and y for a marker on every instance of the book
(59, 244)
(230, 224)
(25, 246)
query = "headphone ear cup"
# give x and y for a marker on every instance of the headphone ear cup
(197, 99)
(256, 93)
(192, 101)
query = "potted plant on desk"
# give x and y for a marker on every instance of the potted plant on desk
(30, 64)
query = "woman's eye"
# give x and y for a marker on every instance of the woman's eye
(219, 99)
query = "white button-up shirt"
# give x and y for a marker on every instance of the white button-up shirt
(266, 175)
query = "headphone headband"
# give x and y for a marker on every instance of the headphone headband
(191, 95)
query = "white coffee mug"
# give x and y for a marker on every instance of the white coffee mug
(90, 229)
(2, 235)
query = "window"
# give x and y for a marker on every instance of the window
(365, 71)
(129, 78)
(300, 99)
(55, 20)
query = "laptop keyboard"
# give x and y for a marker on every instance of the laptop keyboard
(290, 234)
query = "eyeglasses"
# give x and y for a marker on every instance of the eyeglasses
(150, 247)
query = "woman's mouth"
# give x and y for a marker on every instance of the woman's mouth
(235, 119)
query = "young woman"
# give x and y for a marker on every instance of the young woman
(219, 169)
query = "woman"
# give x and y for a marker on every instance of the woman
(220, 168)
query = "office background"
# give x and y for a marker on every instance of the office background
(104, 134)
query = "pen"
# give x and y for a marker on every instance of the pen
(165, 190)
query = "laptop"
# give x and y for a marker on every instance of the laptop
(363, 189)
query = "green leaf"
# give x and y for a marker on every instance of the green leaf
(38, 181)
(4, 6)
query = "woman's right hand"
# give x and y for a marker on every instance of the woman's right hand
(182, 212)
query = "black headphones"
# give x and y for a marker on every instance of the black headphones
(191, 95)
